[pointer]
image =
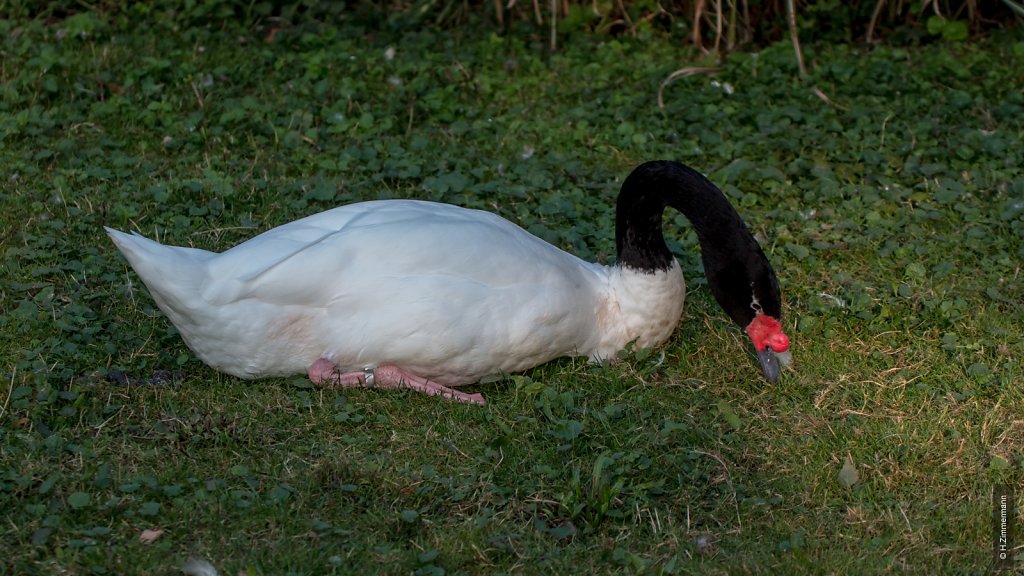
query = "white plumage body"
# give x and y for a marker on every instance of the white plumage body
(450, 294)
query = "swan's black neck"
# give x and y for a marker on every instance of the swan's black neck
(738, 272)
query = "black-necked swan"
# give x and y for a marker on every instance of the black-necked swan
(429, 296)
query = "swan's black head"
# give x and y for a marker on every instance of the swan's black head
(739, 274)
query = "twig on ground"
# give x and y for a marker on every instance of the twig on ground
(688, 71)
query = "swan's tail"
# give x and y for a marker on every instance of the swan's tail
(174, 275)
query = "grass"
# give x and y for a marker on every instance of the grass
(894, 215)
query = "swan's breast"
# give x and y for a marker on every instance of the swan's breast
(639, 307)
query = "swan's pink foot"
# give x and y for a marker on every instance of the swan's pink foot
(324, 373)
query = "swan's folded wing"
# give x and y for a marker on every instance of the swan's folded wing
(322, 259)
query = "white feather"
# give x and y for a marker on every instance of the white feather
(447, 293)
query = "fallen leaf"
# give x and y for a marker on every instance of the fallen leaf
(848, 475)
(148, 536)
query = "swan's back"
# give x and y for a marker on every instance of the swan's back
(313, 259)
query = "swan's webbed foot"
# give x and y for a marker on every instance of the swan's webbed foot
(323, 372)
